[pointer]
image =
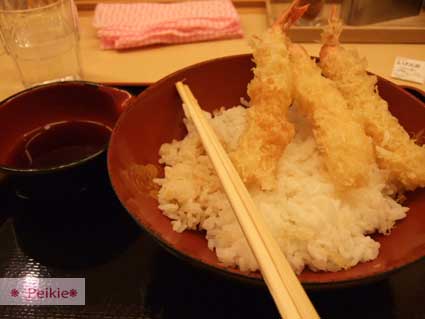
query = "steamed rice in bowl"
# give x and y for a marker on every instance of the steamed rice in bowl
(315, 225)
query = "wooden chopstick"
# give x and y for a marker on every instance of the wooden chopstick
(288, 294)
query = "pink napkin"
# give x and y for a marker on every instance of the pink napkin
(121, 26)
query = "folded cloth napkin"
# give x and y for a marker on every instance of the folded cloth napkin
(121, 26)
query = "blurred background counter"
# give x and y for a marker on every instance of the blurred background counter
(146, 65)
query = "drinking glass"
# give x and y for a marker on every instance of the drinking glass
(42, 38)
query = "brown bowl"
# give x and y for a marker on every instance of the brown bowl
(155, 117)
(51, 115)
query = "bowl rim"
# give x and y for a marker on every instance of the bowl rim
(57, 168)
(227, 271)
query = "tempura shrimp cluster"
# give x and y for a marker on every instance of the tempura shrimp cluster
(271, 93)
(352, 126)
(395, 151)
(347, 151)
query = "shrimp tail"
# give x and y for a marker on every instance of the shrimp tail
(290, 15)
(332, 32)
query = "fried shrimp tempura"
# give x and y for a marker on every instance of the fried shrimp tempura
(347, 151)
(271, 94)
(268, 131)
(395, 150)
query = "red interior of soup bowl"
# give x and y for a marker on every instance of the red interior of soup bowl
(57, 102)
(155, 118)
(65, 124)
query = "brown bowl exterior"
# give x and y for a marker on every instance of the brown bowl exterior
(155, 117)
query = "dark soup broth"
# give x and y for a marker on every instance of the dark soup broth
(58, 143)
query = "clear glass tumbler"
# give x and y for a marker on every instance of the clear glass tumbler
(42, 38)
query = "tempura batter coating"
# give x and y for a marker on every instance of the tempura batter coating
(271, 92)
(395, 150)
(347, 151)
(268, 131)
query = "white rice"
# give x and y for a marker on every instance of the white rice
(314, 225)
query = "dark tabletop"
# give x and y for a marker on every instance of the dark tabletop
(128, 275)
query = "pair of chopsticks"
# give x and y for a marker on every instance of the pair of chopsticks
(288, 294)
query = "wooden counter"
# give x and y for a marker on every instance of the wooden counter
(147, 65)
